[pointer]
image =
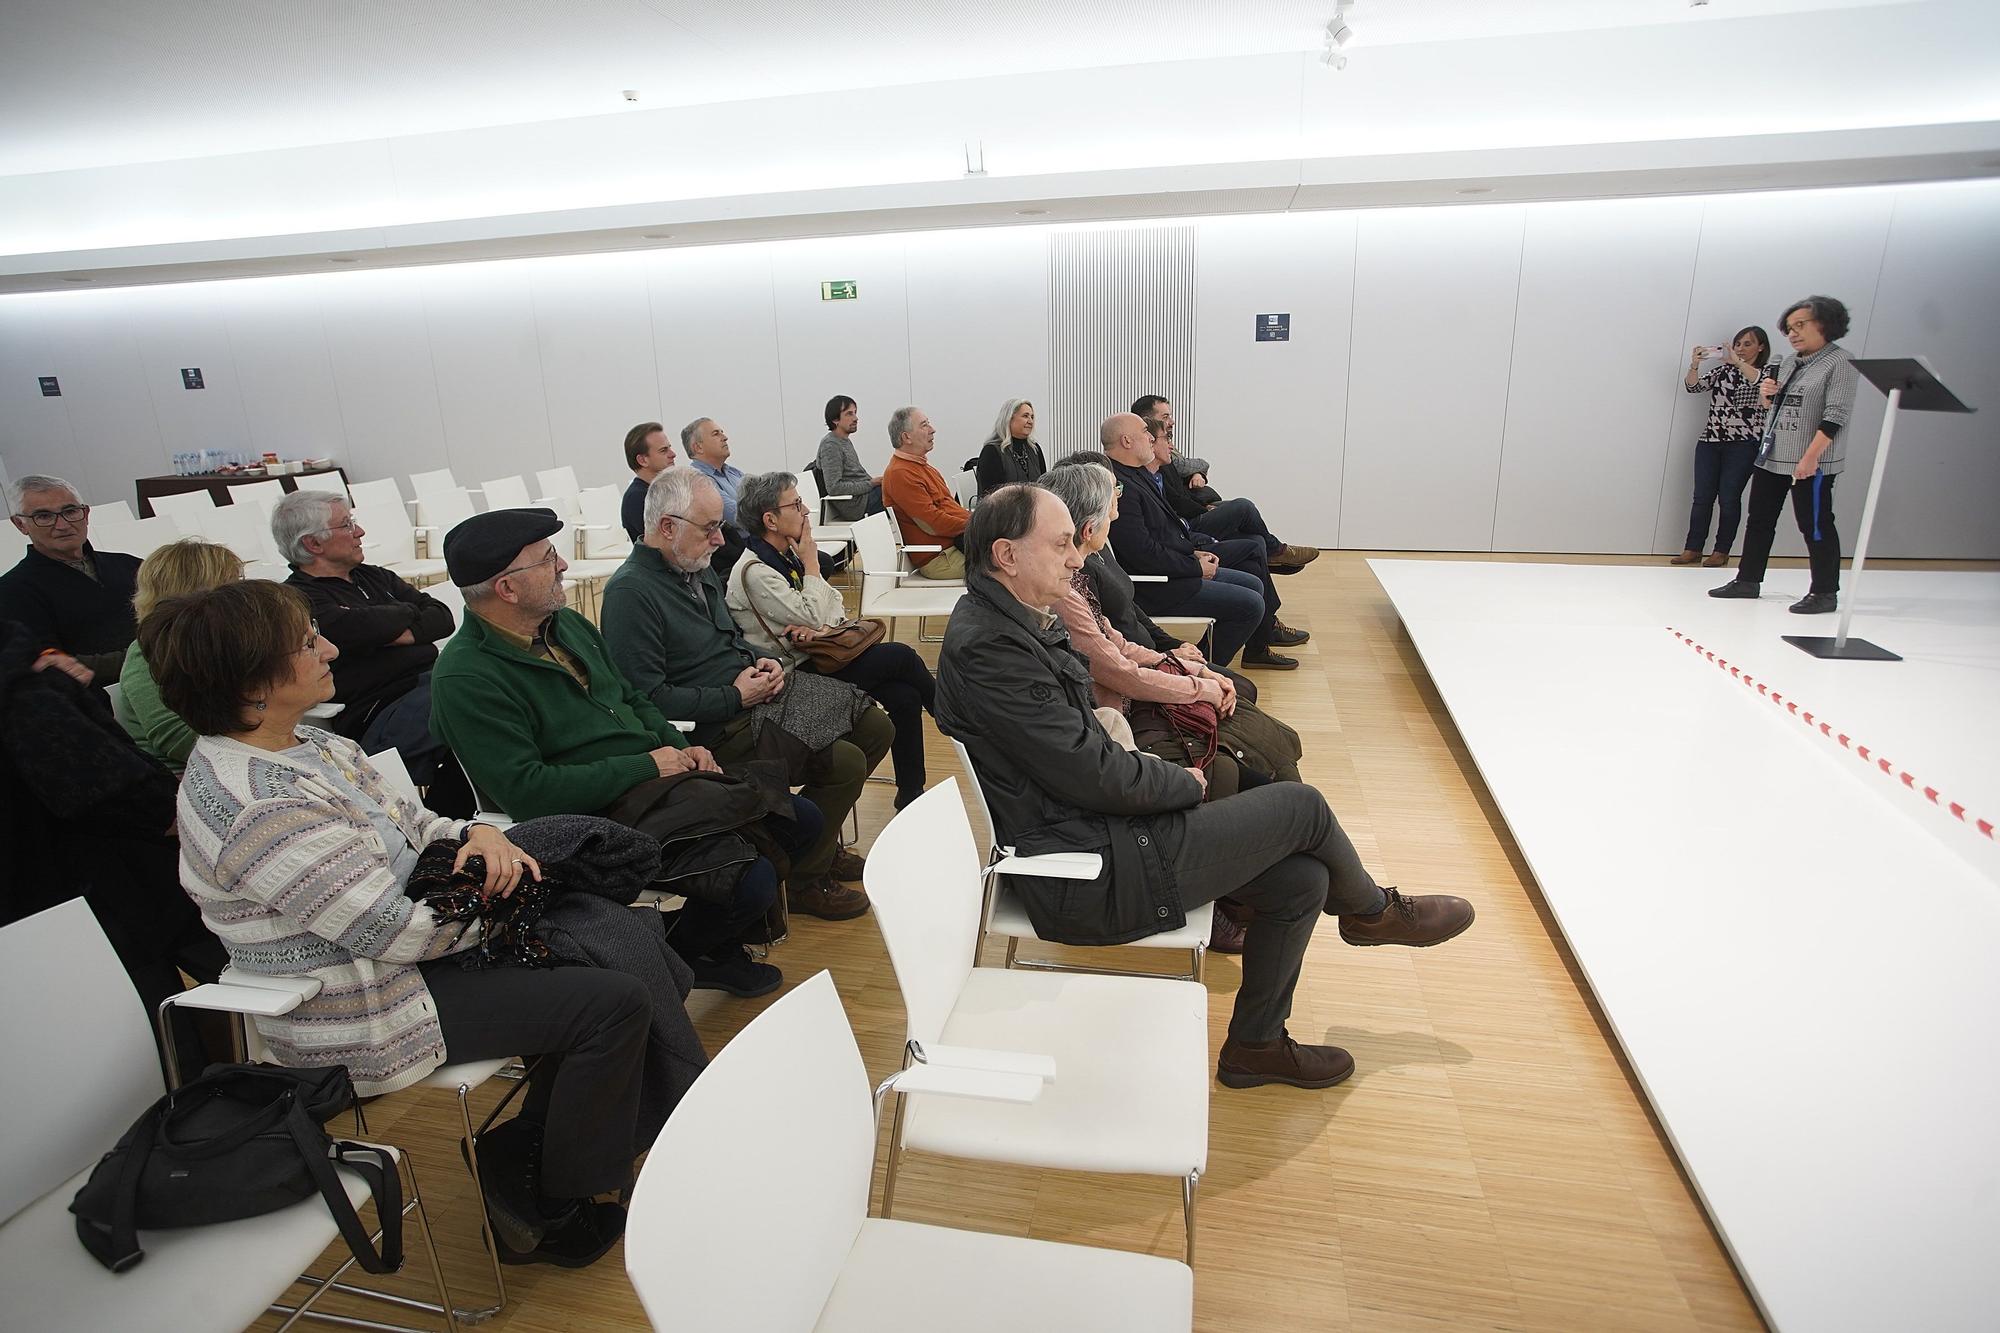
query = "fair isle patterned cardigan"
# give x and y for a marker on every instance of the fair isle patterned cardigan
(295, 881)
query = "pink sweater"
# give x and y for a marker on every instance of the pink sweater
(1120, 670)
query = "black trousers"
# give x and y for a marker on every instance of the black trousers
(589, 1026)
(1277, 849)
(1812, 506)
(894, 676)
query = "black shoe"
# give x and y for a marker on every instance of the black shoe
(582, 1236)
(1816, 604)
(510, 1170)
(1284, 636)
(1738, 588)
(1270, 661)
(737, 973)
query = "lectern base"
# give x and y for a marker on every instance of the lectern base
(1854, 650)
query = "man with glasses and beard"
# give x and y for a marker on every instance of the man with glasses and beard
(73, 600)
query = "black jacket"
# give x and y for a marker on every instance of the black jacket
(60, 608)
(998, 465)
(1184, 502)
(1149, 538)
(362, 617)
(1012, 690)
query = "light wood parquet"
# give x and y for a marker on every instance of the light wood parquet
(1490, 1166)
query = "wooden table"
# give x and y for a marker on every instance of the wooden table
(218, 484)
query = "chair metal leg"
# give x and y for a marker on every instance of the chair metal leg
(1013, 947)
(1200, 952)
(1188, 1187)
(479, 1201)
(895, 1155)
(416, 1206)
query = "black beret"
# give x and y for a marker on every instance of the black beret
(488, 543)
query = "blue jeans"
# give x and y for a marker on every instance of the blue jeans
(715, 929)
(1237, 518)
(1720, 473)
(1234, 600)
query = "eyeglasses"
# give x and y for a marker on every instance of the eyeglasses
(543, 563)
(46, 518)
(1800, 325)
(707, 529)
(312, 637)
(1118, 488)
(799, 505)
(345, 525)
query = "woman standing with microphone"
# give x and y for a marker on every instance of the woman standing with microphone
(1728, 448)
(1811, 400)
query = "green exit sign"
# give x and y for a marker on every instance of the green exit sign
(845, 290)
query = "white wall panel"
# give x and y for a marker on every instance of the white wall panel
(1121, 314)
(860, 348)
(1759, 253)
(979, 328)
(489, 370)
(284, 373)
(1273, 414)
(173, 330)
(104, 384)
(1942, 487)
(36, 434)
(1427, 377)
(595, 325)
(1602, 309)
(715, 338)
(380, 349)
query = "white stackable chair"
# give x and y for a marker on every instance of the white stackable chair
(244, 529)
(379, 494)
(768, 1188)
(429, 483)
(329, 482)
(555, 483)
(110, 511)
(392, 542)
(441, 511)
(261, 495)
(1130, 1090)
(888, 590)
(905, 568)
(1006, 917)
(185, 509)
(601, 531)
(140, 537)
(14, 543)
(823, 528)
(1193, 629)
(506, 493)
(78, 1021)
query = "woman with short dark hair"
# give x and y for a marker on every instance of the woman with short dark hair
(1728, 446)
(299, 853)
(1804, 448)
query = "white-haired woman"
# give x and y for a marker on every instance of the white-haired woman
(1011, 453)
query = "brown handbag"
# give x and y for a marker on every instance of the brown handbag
(833, 647)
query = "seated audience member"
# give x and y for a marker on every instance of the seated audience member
(1115, 596)
(386, 630)
(840, 469)
(303, 859)
(707, 447)
(1226, 580)
(648, 453)
(926, 512)
(780, 603)
(528, 698)
(84, 813)
(1199, 506)
(178, 569)
(65, 593)
(1017, 695)
(669, 630)
(1011, 452)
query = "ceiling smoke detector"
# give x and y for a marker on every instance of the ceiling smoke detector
(630, 94)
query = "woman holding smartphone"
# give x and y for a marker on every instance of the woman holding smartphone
(1727, 451)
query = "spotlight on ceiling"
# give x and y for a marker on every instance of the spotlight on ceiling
(1338, 35)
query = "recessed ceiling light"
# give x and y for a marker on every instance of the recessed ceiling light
(1477, 189)
(71, 277)
(343, 259)
(1031, 212)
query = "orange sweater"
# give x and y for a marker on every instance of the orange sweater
(925, 509)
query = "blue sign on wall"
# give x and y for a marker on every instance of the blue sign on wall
(1274, 328)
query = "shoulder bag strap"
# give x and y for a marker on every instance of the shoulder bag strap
(118, 1248)
(383, 1183)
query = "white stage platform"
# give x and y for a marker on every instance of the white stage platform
(1797, 944)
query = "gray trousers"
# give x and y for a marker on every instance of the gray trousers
(1277, 849)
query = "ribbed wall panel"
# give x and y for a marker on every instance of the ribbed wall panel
(1121, 323)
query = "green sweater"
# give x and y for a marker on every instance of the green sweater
(158, 729)
(532, 740)
(652, 618)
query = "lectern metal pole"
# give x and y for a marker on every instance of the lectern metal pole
(1868, 515)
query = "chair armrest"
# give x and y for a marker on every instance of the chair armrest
(975, 1084)
(932, 549)
(303, 987)
(1147, 578)
(325, 710)
(425, 528)
(939, 1055)
(492, 819)
(1051, 865)
(824, 498)
(251, 1000)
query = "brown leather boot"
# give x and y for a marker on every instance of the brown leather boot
(1417, 922)
(848, 865)
(1685, 558)
(1225, 934)
(1716, 561)
(826, 898)
(1245, 1064)
(1289, 559)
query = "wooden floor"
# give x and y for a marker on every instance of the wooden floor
(1489, 1166)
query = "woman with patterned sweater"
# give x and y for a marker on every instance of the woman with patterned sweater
(1728, 447)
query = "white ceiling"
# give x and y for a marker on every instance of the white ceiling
(93, 83)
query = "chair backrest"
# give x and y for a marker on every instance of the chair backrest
(14, 542)
(603, 506)
(244, 529)
(507, 493)
(452, 596)
(444, 510)
(260, 495)
(121, 708)
(731, 1182)
(924, 878)
(110, 511)
(395, 773)
(809, 492)
(78, 1050)
(556, 482)
(140, 537)
(428, 483)
(329, 482)
(185, 509)
(371, 494)
(989, 839)
(389, 539)
(876, 540)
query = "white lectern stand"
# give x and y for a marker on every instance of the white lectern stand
(1910, 383)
